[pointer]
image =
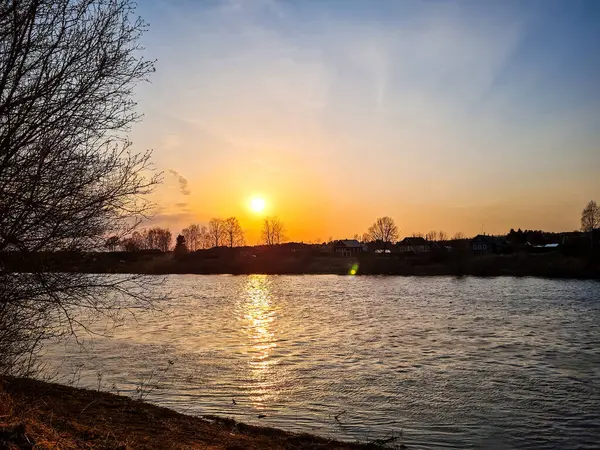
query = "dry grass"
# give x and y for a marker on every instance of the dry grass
(44, 416)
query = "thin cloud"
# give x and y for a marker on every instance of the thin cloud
(183, 182)
(170, 220)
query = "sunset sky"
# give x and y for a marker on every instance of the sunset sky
(455, 116)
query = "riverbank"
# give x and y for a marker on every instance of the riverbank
(239, 261)
(40, 415)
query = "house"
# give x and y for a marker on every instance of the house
(414, 245)
(483, 243)
(347, 247)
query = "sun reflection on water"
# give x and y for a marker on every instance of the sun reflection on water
(259, 325)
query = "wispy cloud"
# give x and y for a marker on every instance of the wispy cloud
(183, 182)
(170, 220)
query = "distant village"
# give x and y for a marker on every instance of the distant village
(572, 243)
(531, 241)
(574, 254)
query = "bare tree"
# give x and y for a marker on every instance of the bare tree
(216, 232)
(151, 238)
(205, 238)
(159, 239)
(384, 229)
(134, 243)
(193, 237)
(458, 236)
(112, 243)
(198, 237)
(234, 235)
(590, 219)
(417, 234)
(164, 240)
(273, 231)
(68, 176)
(431, 236)
(442, 236)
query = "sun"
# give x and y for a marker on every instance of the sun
(257, 204)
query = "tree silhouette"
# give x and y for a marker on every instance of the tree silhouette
(193, 237)
(180, 247)
(134, 243)
(112, 243)
(205, 239)
(590, 219)
(234, 235)
(68, 176)
(197, 237)
(151, 238)
(159, 239)
(431, 236)
(272, 232)
(384, 229)
(216, 232)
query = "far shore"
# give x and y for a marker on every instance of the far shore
(40, 415)
(242, 261)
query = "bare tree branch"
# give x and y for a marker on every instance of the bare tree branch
(273, 231)
(590, 220)
(234, 235)
(385, 230)
(68, 176)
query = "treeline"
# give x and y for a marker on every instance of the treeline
(384, 231)
(219, 232)
(145, 239)
(229, 233)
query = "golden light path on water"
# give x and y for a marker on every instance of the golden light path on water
(259, 317)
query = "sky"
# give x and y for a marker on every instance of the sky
(445, 115)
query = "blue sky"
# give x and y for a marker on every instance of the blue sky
(444, 115)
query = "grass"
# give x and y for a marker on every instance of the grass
(43, 416)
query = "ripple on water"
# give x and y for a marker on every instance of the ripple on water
(453, 363)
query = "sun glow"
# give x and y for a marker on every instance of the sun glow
(257, 204)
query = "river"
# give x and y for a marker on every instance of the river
(449, 362)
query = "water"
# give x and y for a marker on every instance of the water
(451, 362)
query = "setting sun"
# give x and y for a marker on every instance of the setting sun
(257, 204)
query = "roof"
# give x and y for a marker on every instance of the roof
(491, 239)
(547, 246)
(351, 243)
(484, 238)
(413, 241)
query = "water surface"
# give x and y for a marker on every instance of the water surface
(450, 362)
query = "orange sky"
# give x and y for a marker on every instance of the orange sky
(458, 119)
